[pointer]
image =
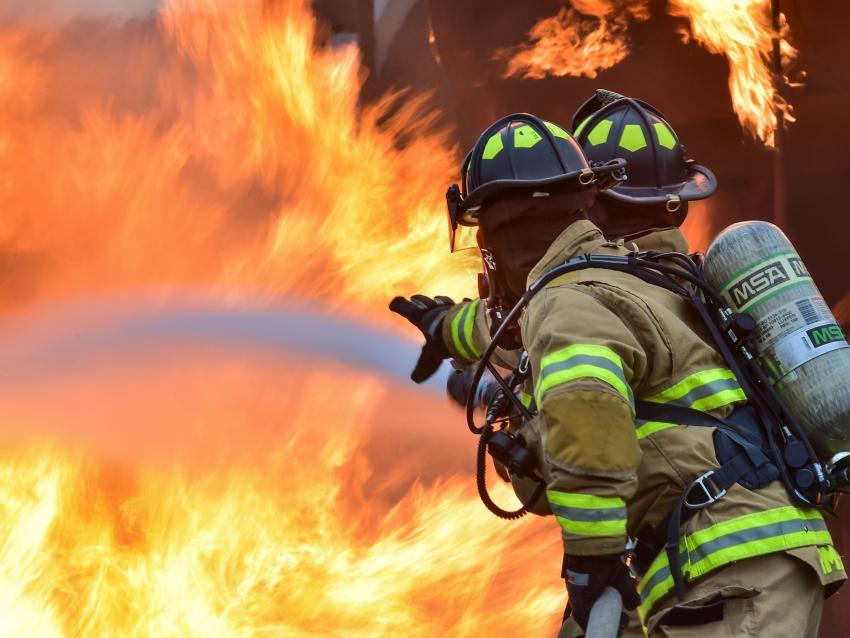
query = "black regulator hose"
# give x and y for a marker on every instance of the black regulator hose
(481, 482)
(645, 266)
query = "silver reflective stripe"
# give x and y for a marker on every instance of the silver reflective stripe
(589, 515)
(739, 537)
(577, 578)
(706, 390)
(660, 576)
(589, 360)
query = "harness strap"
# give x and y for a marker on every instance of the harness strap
(704, 491)
(670, 413)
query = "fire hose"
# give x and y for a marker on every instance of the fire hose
(604, 620)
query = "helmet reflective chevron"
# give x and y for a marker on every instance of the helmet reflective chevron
(609, 126)
(520, 155)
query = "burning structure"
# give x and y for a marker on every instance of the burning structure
(260, 152)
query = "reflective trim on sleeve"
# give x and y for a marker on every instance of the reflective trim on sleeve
(644, 428)
(586, 515)
(462, 328)
(756, 534)
(582, 361)
(704, 390)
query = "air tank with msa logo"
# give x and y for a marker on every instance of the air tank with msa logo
(797, 340)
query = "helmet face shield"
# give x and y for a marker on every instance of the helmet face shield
(462, 221)
(462, 236)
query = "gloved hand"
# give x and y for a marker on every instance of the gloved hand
(426, 314)
(588, 576)
(459, 384)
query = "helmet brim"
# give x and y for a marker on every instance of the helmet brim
(576, 180)
(700, 184)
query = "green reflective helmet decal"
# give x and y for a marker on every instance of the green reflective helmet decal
(632, 138)
(513, 156)
(493, 147)
(665, 135)
(557, 131)
(526, 137)
(599, 134)
(611, 126)
(581, 126)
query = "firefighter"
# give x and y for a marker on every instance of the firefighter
(751, 560)
(647, 210)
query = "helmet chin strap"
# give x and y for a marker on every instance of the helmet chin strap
(498, 301)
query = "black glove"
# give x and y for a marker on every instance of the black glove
(588, 576)
(427, 315)
(459, 384)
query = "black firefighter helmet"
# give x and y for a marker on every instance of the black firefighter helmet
(609, 125)
(519, 155)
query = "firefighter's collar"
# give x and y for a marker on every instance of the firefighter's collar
(577, 239)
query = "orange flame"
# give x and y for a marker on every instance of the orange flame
(577, 42)
(742, 32)
(592, 37)
(220, 149)
(246, 164)
(319, 536)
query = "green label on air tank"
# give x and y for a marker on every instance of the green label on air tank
(795, 349)
(824, 335)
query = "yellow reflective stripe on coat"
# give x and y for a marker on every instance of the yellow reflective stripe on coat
(463, 325)
(587, 515)
(644, 428)
(756, 534)
(582, 361)
(705, 390)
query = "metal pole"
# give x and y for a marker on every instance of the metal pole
(780, 205)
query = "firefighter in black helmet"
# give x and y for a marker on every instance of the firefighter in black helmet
(661, 180)
(525, 166)
(602, 346)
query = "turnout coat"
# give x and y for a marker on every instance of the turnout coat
(597, 340)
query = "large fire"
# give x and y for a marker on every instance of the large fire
(742, 32)
(592, 36)
(168, 490)
(219, 148)
(213, 491)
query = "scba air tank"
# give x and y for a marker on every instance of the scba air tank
(798, 341)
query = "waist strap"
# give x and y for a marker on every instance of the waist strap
(706, 489)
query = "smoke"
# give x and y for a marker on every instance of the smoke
(52, 11)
